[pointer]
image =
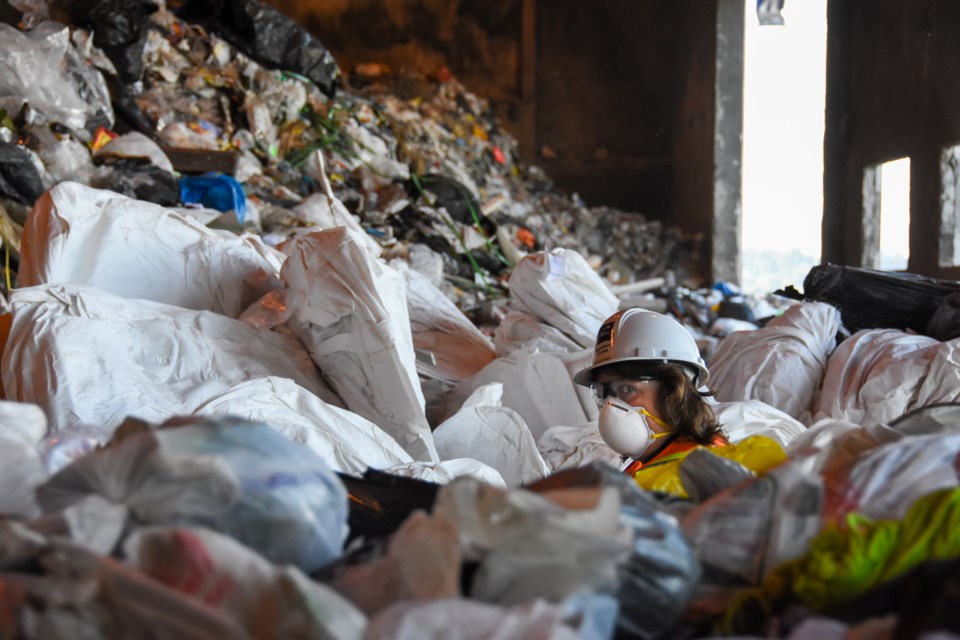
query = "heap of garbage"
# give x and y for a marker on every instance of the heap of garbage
(189, 114)
(286, 359)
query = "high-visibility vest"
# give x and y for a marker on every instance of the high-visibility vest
(670, 453)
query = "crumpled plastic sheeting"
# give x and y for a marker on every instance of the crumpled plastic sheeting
(830, 444)
(745, 418)
(749, 529)
(350, 310)
(136, 249)
(421, 562)
(269, 601)
(239, 478)
(446, 471)
(883, 482)
(449, 346)
(346, 441)
(474, 620)
(874, 375)
(781, 364)
(496, 435)
(136, 145)
(533, 548)
(535, 385)
(21, 468)
(42, 67)
(564, 291)
(88, 357)
(570, 447)
(78, 593)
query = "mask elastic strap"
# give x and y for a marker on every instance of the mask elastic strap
(650, 455)
(655, 419)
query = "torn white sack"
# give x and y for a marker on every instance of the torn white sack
(349, 310)
(136, 249)
(88, 357)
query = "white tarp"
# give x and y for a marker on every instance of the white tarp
(449, 346)
(781, 364)
(485, 430)
(346, 441)
(135, 249)
(562, 289)
(350, 310)
(88, 357)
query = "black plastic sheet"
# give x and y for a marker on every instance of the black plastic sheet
(119, 28)
(19, 179)
(267, 36)
(872, 299)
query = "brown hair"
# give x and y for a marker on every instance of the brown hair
(682, 406)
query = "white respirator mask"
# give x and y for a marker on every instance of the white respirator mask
(625, 429)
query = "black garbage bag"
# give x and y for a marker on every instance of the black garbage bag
(119, 28)
(380, 502)
(873, 299)
(19, 179)
(139, 179)
(266, 35)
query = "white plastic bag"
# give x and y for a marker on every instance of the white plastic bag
(519, 330)
(21, 469)
(42, 68)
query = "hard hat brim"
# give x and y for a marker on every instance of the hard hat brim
(586, 376)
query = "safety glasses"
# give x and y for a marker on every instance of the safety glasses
(623, 390)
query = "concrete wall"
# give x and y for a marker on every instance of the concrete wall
(892, 91)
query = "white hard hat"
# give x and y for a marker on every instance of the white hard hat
(638, 335)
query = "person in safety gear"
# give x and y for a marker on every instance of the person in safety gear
(646, 375)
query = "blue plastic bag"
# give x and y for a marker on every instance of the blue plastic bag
(215, 191)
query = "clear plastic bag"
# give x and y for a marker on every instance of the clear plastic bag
(42, 68)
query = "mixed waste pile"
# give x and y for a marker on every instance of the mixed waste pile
(283, 358)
